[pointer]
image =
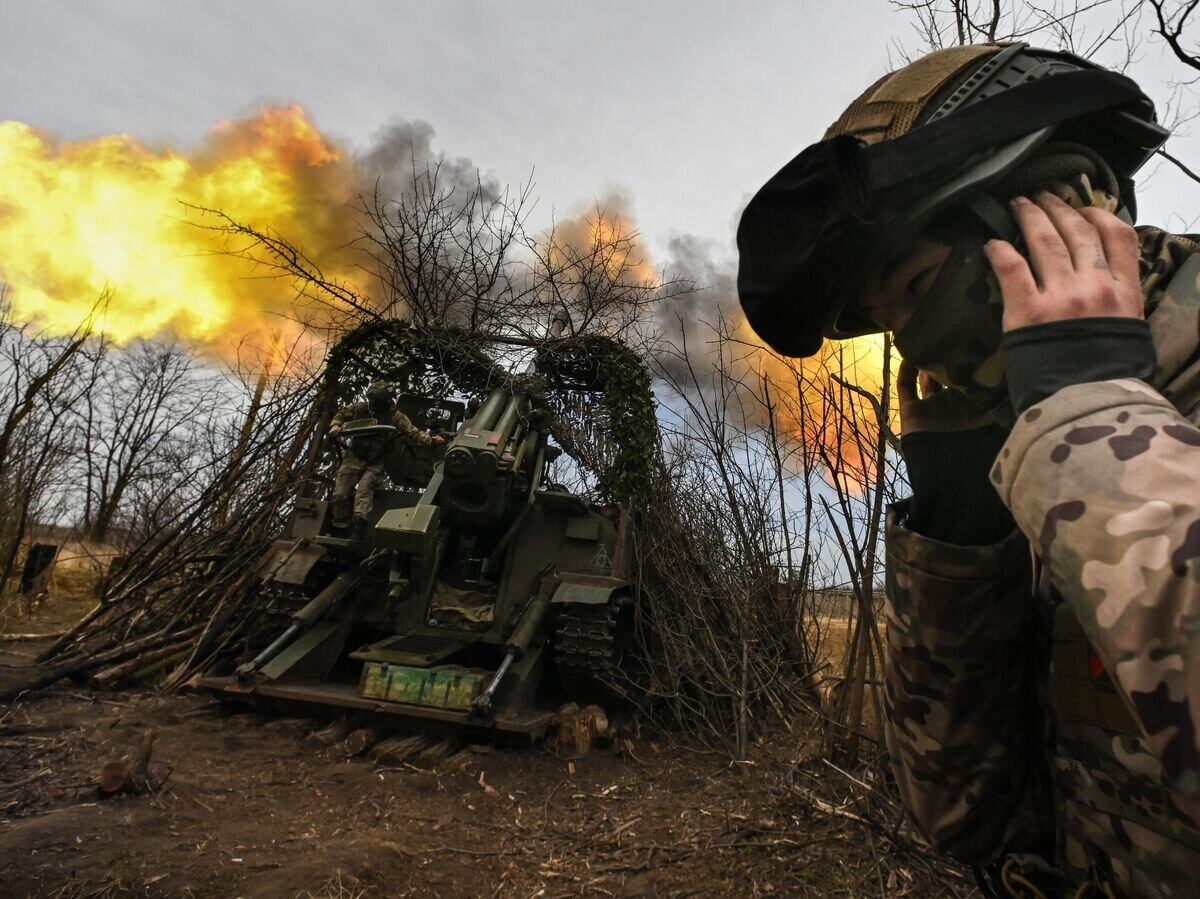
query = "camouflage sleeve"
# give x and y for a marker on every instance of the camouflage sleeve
(349, 413)
(1104, 478)
(409, 431)
(963, 721)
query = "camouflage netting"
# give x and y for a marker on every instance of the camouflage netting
(597, 388)
(611, 427)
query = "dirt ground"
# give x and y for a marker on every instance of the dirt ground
(255, 806)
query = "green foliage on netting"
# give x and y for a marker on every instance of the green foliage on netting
(618, 375)
(434, 363)
(443, 362)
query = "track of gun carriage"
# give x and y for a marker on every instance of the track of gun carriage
(587, 651)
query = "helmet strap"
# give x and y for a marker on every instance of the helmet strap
(995, 217)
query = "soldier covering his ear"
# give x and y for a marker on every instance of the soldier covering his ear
(1043, 581)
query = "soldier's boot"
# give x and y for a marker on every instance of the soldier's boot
(341, 510)
(360, 529)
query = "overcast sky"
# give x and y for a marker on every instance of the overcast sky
(686, 106)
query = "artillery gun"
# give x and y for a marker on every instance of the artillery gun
(480, 595)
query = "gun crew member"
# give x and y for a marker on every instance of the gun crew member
(361, 470)
(1043, 581)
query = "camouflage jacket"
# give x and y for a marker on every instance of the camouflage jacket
(401, 422)
(991, 752)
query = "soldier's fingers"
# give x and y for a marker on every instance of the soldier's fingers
(929, 385)
(1049, 257)
(1017, 284)
(1122, 252)
(1078, 233)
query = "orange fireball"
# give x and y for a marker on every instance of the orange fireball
(108, 216)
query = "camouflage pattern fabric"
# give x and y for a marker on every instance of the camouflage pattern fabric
(1103, 480)
(361, 470)
(360, 479)
(410, 433)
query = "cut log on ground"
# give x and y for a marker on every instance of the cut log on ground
(126, 776)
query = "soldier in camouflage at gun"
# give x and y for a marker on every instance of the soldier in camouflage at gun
(1043, 583)
(361, 470)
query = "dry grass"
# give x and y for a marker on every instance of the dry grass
(100, 888)
(49, 613)
(835, 631)
(338, 886)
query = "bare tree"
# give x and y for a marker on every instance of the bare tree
(595, 269)
(716, 600)
(140, 407)
(1084, 27)
(463, 259)
(186, 589)
(775, 476)
(863, 472)
(39, 385)
(443, 256)
(1171, 20)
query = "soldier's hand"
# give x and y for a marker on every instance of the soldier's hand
(438, 439)
(334, 430)
(925, 405)
(1083, 263)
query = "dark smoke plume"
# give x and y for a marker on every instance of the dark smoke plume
(401, 154)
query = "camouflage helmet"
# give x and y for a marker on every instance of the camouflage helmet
(921, 140)
(379, 392)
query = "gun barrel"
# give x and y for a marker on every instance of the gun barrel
(478, 455)
(507, 423)
(485, 417)
(488, 449)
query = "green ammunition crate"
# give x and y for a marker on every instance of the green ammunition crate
(444, 688)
